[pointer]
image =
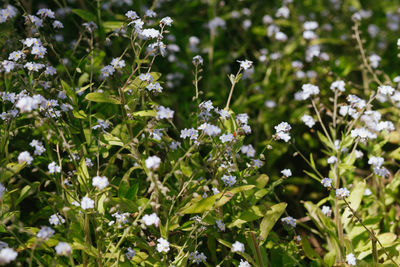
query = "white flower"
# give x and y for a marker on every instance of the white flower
(45, 12)
(151, 219)
(326, 182)
(289, 221)
(131, 15)
(326, 210)
(248, 150)
(27, 104)
(244, 263)
(191, 133)
(245, 64)
(87, 203)
(100, 182)
(164, 113)
(25, 157)
(197, 257)
(166, 21)
(238, 247)
(331, 160)
(45, 232)
(163, 245)
(308, 120)
(342, 192)
(338, 85)
(153, 163)
(150, 33)
(63, 249)
(3, 189)
(350, 259)
(130, 253)
(374, 59)
(367, 192)
(228, 180)
(56, 219)
(107, 71)
(386, 90)
(220, 225)
(310, 25)
(209, 129)
(57, 24)
(286, 172)
(282, 131)
(7, 255)
(363, 133)
(54, 168)
(16, 55)
(283, 12)
(154, 87)
(226, 138)
(309, 90)
(376, 161)
(197, 60)
(117, 63)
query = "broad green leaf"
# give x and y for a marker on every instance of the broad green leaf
(200, 205)
(70, 93)
(84, 14)
(79, 114)
(110, 26)
(308, 250)
(10, 170)
(270, 218)
(248, 215)
(354, 200)
(145, 113)
(102, 98)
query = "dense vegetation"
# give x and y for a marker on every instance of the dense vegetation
(202, 132)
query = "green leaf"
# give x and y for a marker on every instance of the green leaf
(10, 170)
(110, 26)
(79, 114)
(354, 201)
(84, 14)
(270, 218)
(70, 93)
(308, 250)
(145, 113)
(199, 205)
(102, 98)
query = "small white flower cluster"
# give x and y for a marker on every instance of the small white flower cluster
(197, 257)
(100, 182)
(54, 168)
(151, 219)
(282, 131)
(7, 13)
(238, 247)
(342, 192)
(308, 120)
(229, 180)
(164, 113)
(286, 173)
(162, 245)
(7, 255)
(326, 182)
(326, 210)
(309, 30)
(56, 219)
(307, 91)
(290, 221)
(153, 163)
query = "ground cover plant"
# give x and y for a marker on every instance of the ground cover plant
(186, 133)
